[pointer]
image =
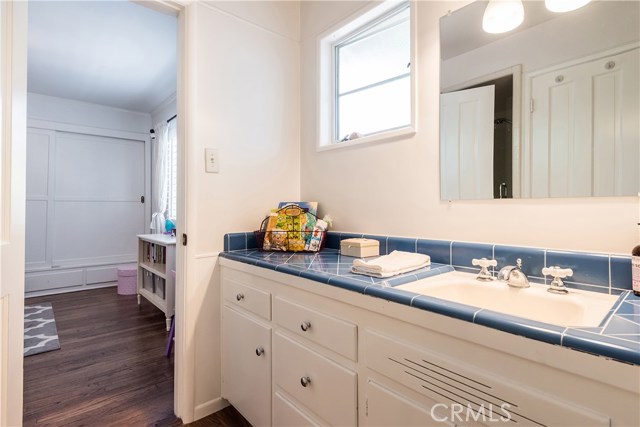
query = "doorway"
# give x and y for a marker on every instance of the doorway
(97, 83)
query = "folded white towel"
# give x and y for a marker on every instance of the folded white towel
(397, 262)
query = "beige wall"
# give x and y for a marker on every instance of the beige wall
(393, 188)
(242, 98)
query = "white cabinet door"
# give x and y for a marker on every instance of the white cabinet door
(466, 143)
(585, 127)
(387, 407)
(246, 366)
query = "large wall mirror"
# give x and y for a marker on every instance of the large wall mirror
(550, 109)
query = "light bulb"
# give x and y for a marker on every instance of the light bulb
(564, 5)
(501, 16)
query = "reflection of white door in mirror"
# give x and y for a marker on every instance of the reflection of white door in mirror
(565, 158)
(466, 144)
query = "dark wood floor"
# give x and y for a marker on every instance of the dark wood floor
(110, 370)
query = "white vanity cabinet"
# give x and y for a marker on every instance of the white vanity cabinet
(343, 358)
(285, 362)
(247, 351)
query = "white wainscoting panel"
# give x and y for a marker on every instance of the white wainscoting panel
(98, 168)
(53, 280)
(36, 233)
(38, 148)
(83, 207)
(94, 232)
(102, 274)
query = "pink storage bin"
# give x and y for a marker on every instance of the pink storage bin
(128, 279)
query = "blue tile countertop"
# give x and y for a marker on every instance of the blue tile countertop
(617, 337)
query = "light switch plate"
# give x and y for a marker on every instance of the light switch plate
(211, 161)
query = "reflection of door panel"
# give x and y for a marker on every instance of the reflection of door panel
(466, 156)
(585, 127)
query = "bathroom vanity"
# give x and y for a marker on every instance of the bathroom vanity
(304, 344)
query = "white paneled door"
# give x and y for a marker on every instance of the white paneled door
(567, 158)
(83, 203)
(466, 143)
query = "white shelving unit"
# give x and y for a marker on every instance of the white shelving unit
(156, 259)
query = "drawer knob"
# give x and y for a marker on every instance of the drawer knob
(259, 351)
(305, 326)
(240, 296)
(305, 381)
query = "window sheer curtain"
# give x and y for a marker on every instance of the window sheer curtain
(160, 180)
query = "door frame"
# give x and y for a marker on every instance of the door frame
(13, 158)
(13, 90)
(516, 116)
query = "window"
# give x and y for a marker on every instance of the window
(369, 77)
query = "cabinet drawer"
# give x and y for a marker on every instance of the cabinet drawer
(287, 414)
(254, 300)
(324, 387)
(328, 331)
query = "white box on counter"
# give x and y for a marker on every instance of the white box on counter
(360, 247)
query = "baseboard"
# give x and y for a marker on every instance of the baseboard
(70, 289)
(210, 407)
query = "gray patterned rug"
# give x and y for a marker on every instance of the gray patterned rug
(40, 333)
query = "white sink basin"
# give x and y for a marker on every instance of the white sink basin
(577, 308)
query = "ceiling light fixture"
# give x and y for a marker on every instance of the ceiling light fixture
(501, 16)
(564, 5)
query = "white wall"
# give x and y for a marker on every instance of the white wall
(167, 109)
(393, 188)
(67, 111)
(243, 99)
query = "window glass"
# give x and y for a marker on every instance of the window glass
(373, 77)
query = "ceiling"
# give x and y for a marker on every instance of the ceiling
(113, 53)
(465, 33)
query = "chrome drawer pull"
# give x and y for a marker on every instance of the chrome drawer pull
(305, 381)
(259, 351)
(305, 326)
(240, 296)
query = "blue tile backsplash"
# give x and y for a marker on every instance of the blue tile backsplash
(462, 253)
(401, 244)
(438, 250)
(607, 273)
(591, 269)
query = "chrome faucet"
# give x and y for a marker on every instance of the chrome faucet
(514, 276)
(557, 286)
(484, 275)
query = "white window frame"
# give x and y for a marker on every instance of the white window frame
(326, 96)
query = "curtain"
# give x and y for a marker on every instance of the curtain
(159, 181)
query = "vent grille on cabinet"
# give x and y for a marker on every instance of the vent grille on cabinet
(472, 395)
